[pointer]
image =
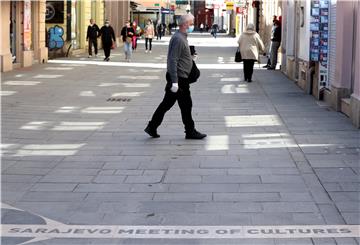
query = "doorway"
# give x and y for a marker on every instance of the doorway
(13, 35)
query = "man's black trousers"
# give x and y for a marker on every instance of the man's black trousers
(93, 42)
(183, 97)
(107, 48)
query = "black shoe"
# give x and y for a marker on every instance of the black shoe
(194, 135)
(266, 66)
(271, 68)
(249, 80)
(152, 132)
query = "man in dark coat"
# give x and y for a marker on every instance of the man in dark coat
(91, 37)
(107, 37)
(275, 44)
(179, 67)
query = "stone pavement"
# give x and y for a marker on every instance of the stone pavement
(74, 151)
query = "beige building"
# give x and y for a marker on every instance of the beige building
(22, 34)
(33, 31)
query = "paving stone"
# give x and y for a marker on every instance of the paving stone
(204, 188)
(289, 187)
(225, 207)
(331, 214)
(346, 241)
(293, 207)
(103, 188)
(109, 179)
(294, 197)
(302, 241)
(113, 197)
(272, 219)
(281, 179)
(230, 179)
(152, 179)
(351, 218)
(183, 197)
(37, 196)
(166, 207)
(324, 241)
(246, 197)
(182, 179)
(67, 179)
(53, 187)
(151, 188)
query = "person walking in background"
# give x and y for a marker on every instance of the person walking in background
(92, 34)
(127, 34)
(108, 39)
(201, 28)
(275, 44)
(214, 30)
(268, 64)
(149, 35)
(179, 66)
(163, 29)
(159, 30)
(250, 45)
(137, 32)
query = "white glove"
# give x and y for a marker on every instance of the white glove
(175, 87)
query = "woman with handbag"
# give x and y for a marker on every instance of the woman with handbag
(250, 45)
(107, 38)
(127, 34)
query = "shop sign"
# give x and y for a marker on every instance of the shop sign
(319, 39)
(229, 6)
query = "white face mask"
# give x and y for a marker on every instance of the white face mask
(107, 24)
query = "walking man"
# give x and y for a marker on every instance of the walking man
(179, 65)
(91, 37)
(108, 39)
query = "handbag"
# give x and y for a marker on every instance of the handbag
(194, 73)
(238, 57)
(129, 39)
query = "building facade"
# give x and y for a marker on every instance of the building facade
(320, 51)
(23, 35)
(67, 22)
(34, 31)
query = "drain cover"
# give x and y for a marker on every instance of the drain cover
(118, 99)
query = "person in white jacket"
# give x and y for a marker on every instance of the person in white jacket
(251, 46)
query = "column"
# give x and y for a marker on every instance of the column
(340, 88)
(42, 49)
(355, 97)
(5, 55)
(26, 29)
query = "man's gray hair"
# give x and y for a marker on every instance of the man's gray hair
(185, 18)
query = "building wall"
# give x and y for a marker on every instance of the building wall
(332, 42)
(34, 51)
(355, 96)
(117, 12)
(81, 13)
(304, 34)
